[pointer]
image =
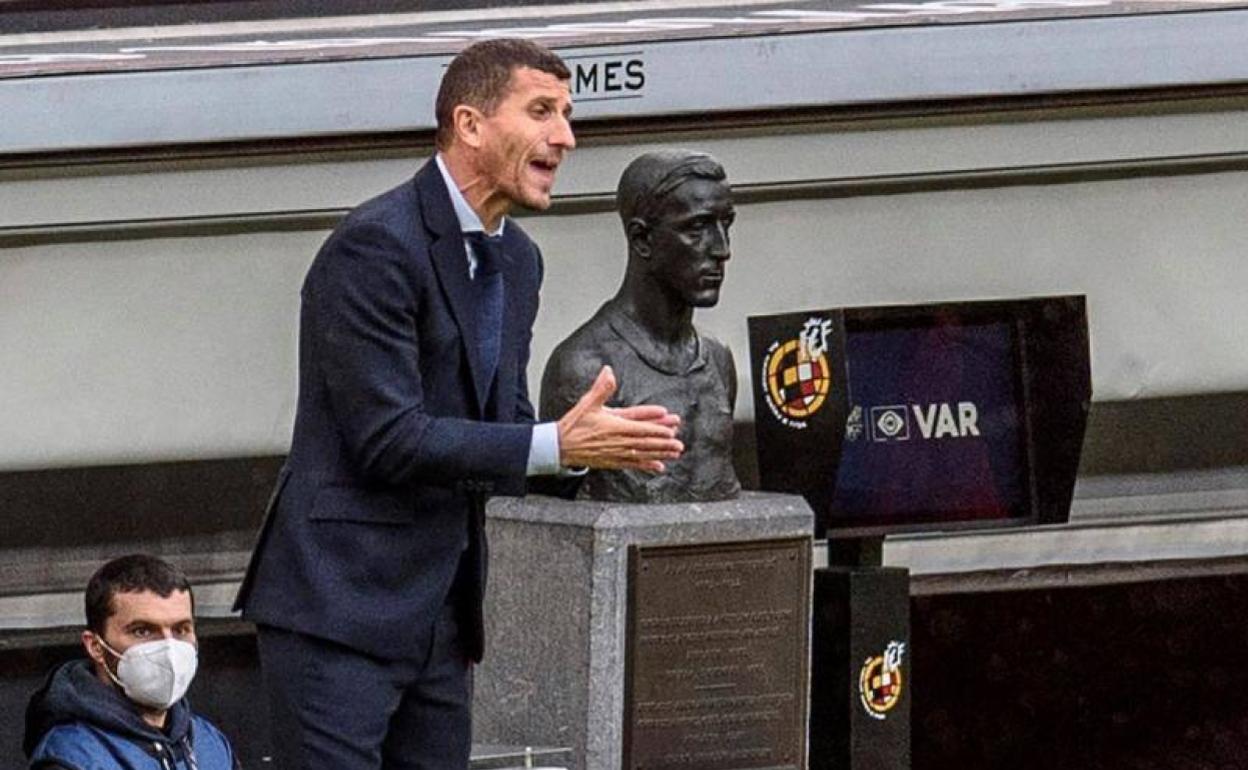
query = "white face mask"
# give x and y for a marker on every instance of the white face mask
(155, 674)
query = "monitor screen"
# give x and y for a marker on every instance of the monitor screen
(935, 429)
(901, 418)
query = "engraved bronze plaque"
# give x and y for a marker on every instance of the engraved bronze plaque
(715, 669)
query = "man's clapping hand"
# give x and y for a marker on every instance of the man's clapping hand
(594, 435)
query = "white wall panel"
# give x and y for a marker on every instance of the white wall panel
(1160, 259)
(782, 156)
(127, 350)
(141, 350)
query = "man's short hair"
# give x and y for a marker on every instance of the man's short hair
(479, 77)
(650, 177)
(130, 574)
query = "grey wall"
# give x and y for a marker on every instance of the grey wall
(148, 310)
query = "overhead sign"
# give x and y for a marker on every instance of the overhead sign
(129, 88)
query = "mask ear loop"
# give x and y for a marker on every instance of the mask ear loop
(116, 655)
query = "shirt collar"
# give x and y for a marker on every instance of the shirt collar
(469, 222)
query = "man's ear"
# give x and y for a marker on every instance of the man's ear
(638, 232)
(95, 650)
(467, 124)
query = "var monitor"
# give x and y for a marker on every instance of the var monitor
(920, 417)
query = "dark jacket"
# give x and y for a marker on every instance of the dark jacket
(376, 521)
(77, 722)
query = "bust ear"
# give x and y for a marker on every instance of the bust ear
(638, 232)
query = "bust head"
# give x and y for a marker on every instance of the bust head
(677, 209)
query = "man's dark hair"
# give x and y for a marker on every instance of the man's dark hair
(650, 177)
(480, 74)
(130, 574)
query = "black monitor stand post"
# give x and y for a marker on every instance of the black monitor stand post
(860, 667)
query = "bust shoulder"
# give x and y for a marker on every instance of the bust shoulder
(717, 353)
(571, 369)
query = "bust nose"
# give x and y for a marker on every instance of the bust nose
(720, 250)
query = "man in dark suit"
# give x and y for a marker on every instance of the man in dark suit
(367, 578)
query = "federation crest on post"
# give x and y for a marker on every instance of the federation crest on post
(880, 682)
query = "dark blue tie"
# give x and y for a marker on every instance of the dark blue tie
(488, 282)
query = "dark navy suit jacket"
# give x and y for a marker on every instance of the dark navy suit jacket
(395, 433)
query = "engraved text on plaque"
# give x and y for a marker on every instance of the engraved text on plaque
(715, 675)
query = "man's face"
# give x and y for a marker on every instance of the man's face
(142, 616)
(689, 241)
(527, 136)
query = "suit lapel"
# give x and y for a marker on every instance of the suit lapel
(450, 262)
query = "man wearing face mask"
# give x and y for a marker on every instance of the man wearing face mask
(123, 708)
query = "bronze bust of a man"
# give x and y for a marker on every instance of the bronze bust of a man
(676, 207)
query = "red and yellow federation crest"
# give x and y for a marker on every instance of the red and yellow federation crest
(797, 374)
(880, 681)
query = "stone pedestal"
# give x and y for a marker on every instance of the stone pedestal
(556, 609)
